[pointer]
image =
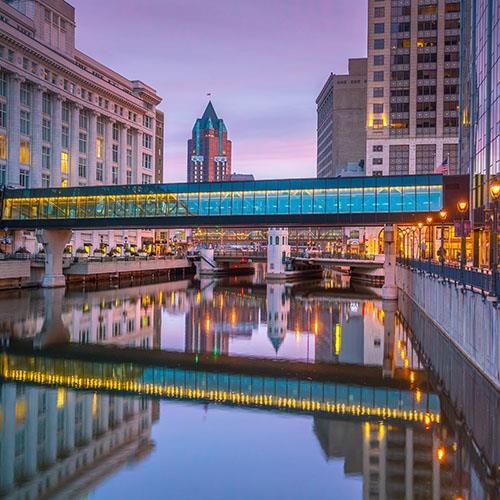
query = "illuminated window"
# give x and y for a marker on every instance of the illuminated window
(64, 183)
(64, 163)
(24, 152)
(98, 148)
(3, 147)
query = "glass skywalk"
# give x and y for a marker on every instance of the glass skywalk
(214, 202)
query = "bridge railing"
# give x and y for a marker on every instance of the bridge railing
(479, 280)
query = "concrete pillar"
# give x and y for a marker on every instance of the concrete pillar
(389, 364)
(14, 129)
(54, 241)
(87, 418)
(103, 414)
(53, 331)
(91, 156)
(8, 435)
(69, 421)
(50, 448)
(74, 144)
(55, 173)
(390, 290)
(36, 138)
(122, 172)
(31, 427)
(278, 251)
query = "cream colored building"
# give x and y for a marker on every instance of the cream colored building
(65, 118)
(413, 86)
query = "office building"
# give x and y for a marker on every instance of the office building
(65, 118)
(209, 149)
(341, 129)
(159, 146)
(413, 86)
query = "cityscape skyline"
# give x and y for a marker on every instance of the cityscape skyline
(252, 99)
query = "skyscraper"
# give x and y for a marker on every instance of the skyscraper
(341, 108)
(413, 86)
(209, 149)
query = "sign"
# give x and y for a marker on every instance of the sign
(458, 229)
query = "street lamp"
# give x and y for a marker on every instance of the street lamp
(420, 225)
(430, 249)
(442, 215)
(462, 208)
(495, 195)
(413, 229)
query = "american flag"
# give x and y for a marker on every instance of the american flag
(443, 168)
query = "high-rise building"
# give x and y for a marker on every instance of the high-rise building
(413, 86)
(65, 118)
(209, 149)
(341, 109)
(159, 143)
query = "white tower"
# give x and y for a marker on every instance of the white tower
(278, 251)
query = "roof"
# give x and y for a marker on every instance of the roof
(210, 119)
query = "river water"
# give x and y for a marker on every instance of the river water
(234, 389)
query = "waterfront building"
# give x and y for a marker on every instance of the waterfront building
(413, 86)
(242, 177)
(209, 149)
(67, 119)
(159, 146)
(341, 128)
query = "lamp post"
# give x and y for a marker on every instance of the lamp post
(442, 215)
(495, 195)
(462, 208)
(429, 250)
(413, 228)
(420, 225)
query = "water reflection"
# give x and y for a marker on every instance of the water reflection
(363, 416)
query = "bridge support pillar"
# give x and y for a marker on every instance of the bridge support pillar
(54, 241)
(389, 307)
(389, 290)
(53, 331)
(278, 251)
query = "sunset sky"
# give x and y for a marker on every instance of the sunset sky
(264, 61)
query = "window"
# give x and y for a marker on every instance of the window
(114, 175)
(99, 148)
(3, 115)
(45, 180)
(129, 137)
(425, 158)
(129, 158)
(147, 141)
(147, 161)
(64, 163)
(379, 12)
(65, 136)
(3, 147)
(400, 107)
(3, 84)
(114, 151)
(99, 171)
(129, 177)
(378, 108)
(45, 157)
(400, 75)
(84, 119)
(377, 161)
(378, 76)
(46, 129)
(399, 159)
(378, 123)
(427, 9)
(24, 178)
(147, 121)
(378, 148)
(100, 126)
(82, 142)
(3, 174)
(378, 28)
(26, 94)
(82, 167)
(146, 179)
(46, 104)
(378, 43)
(450, 152)
(66, 111)
(378, 91)
(378, 60)
(427, 106)
(116, 132)
(25, 122)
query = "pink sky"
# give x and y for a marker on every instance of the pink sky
(264, 61)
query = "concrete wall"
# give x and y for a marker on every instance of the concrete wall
(125, 266)
(473, 324)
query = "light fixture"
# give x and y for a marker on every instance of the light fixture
(495, 189)
(443, 214)
(462, 206)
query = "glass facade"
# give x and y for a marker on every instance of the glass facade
(396, 194)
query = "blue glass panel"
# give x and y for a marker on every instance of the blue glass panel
(409, 198)
(248, 202)
(204, 197)
(356, 199)
(237, 208)
(396, 199)
(307, 201)
(331, 201)
(295, 202)
(214, 204)
(369, 199)
(422, 193)
(182, 204)
(382, 199)
(272, 202)
(162, 205)
(260, 202)
(283, 202)
(436, 198)
(225, 203)
(193, 203)
(319, 201)
(344, 200)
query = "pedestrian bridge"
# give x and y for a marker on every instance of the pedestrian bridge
(265, 384)
(286, 202)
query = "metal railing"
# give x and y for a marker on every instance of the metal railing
(480, 280)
